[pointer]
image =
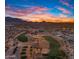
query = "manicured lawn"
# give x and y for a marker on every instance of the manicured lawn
(23, 57)
(22, 38)
(23, 52)
(54, 52)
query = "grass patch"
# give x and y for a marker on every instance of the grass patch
(23, 49)
(23, 57)
(54, 52)
(23, 52)
(22, 38)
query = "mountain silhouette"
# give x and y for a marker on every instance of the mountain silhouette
(14, 21)
(10, 20)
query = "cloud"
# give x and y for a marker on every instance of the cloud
(62, 15)
(28, 14)
(23, 12)
(46, 18)
(64, 10)
(64, 2)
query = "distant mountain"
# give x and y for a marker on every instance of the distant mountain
(10, 20)
(15, 21)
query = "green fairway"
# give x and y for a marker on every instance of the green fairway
(23, 51)
(23, 57)
(23, 54)
(55, 52)
(22, 38)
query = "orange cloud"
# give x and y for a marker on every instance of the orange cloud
(27, 14)
(46, 18)
(62, 15)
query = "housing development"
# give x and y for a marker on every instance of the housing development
(38, 40)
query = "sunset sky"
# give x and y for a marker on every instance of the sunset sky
(41, 10)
